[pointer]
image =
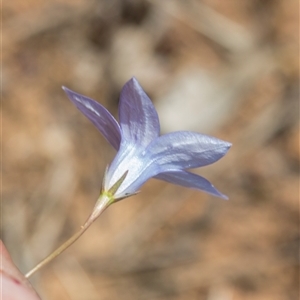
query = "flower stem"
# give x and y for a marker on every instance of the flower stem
(102, 203)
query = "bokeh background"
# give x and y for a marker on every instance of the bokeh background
(225, 68)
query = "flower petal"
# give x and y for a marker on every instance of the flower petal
(190, 180)
(128, 159)
(99, 116)
(138, 117)
(169, 153)
(185, 150)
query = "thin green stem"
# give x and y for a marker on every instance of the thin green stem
(59, 250)
(102, 203)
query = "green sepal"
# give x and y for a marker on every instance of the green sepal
(111, 192)
(126, 196)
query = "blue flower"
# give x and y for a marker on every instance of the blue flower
(142, 153)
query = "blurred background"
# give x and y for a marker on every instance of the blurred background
(225, 68)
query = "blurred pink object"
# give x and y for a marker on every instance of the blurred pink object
(13, 286)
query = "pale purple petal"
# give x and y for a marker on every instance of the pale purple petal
(128, 159)
(169, 153)
(99, 116)
(138, 117)
(185, 150)
(190, 180)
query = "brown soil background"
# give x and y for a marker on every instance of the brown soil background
(225, 68)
